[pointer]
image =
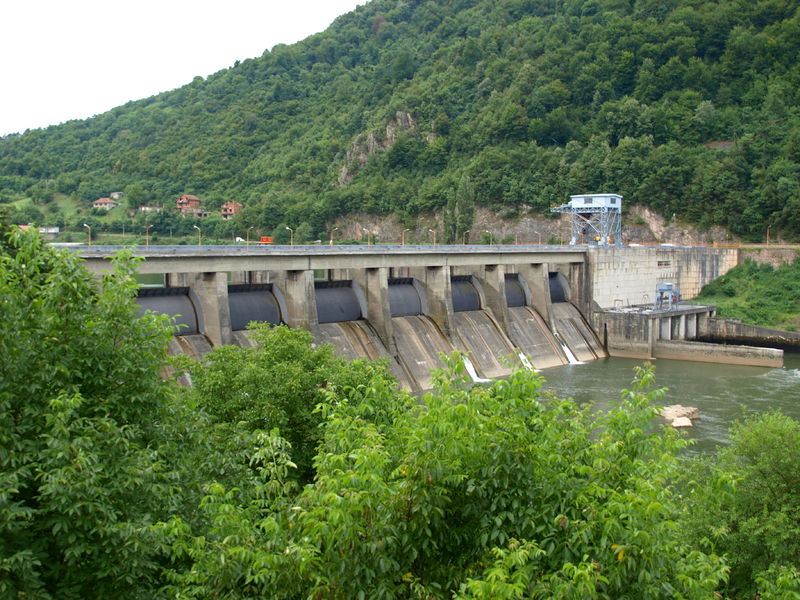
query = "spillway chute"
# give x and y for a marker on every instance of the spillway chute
(573, 329)
(528, 330)
(420, 344)
(477, 333)
(341, 314)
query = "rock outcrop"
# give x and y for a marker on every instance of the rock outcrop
(368, 143)
(680, 416)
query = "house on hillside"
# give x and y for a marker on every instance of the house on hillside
(116, 195)
(156, 208)
(189, 205)
(231, 208)
(105, 203)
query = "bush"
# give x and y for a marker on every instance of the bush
(277, 385)
(746, 502)
(484, 492)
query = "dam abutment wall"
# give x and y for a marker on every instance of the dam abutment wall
(628, 275)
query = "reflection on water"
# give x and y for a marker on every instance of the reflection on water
(723, 393)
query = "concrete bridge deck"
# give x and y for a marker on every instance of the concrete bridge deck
(203, 259)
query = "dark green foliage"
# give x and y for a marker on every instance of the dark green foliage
(81, 477)
(758, 294)
(689, 108)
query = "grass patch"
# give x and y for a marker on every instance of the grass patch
(757, 294)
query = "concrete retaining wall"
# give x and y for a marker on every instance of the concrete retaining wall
(719, 353)
(627, 276)
(734, 331)
(625, 335)
(770, 256)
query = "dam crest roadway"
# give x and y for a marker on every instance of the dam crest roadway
(501, 305)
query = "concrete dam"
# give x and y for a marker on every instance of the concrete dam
(417, 340)
(502, 306)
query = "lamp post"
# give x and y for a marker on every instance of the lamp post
(768, 228)
(516, 239)
(464, 238)
(403, 237)
(490, 236)
(539, 235)
(147, 236)
(433, 231)
(247, 236)
(199, 235)
(291, 236)
(330, 242)
(90, 234)
(369, 241)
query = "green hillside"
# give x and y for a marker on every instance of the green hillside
(684, 106)
(757, 294)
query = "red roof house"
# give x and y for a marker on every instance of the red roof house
(190, 205)
(105, 203)
(231, 208)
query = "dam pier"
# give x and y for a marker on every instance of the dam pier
(539, 306)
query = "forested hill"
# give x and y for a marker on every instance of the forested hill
(685, 106)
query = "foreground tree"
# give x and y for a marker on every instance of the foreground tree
(745, 502)
(88, 458)
(278, 384)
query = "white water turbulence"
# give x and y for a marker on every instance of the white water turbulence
(570, 356)
(473, 373)
(526, 362)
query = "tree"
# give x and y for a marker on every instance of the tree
(276, 385)
(746, 504)
(460, 210)
(88, 459)
(136, 195)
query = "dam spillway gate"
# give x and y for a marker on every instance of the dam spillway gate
(498, 315)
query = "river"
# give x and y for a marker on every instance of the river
(723, 393)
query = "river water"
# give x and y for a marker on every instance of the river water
(723, 393)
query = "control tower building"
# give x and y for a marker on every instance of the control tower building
(595, 218)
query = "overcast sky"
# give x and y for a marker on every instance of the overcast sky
(72, 59)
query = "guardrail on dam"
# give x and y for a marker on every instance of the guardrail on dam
(409, 303)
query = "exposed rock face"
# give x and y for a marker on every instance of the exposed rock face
(643, 225)
(387, 229)
(526, 228)
(368, 143)
(680, 416)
